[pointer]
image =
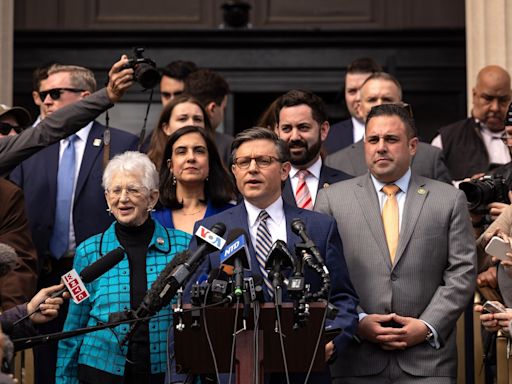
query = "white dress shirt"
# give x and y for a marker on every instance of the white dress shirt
(276, 223)
(312, 179)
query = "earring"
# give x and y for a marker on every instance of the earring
(173, 180)
(109, 211)
(151, 209)
(206, 179)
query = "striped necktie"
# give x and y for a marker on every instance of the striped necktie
(263, 246)
(302, 195)
(390, 219)
(59, 241)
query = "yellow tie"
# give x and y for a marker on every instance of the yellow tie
(390, 219)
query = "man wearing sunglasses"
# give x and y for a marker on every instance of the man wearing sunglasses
(64, 198)
(383, 88)
(13, 120)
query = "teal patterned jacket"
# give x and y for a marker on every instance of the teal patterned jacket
(111, 293)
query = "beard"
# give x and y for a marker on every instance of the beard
(307, 155)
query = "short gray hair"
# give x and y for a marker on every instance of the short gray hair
(132, 162)
(260, 133)
(81, 78)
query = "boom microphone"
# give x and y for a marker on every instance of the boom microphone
(299, 229)
(8, 259)
(173, 277)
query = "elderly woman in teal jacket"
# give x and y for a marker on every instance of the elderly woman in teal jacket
(131, 190)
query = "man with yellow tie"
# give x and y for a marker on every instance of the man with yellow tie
(411, 256)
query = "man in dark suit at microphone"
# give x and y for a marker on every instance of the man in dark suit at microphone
(260, 166)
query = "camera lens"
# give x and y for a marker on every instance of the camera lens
(146, 75)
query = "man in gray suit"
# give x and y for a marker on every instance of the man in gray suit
(411, 294)
(378, 89)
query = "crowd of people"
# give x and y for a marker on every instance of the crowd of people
(403, 250)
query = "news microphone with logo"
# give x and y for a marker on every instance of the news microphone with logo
(75, 283)
(236, 254)
(299, 229)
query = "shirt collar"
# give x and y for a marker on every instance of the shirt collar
(314, 169)
(402, 183)
(274, 210)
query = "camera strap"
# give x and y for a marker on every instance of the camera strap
(142, 135)
(106, 141)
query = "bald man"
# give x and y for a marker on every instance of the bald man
(473, 145)
(383, 88)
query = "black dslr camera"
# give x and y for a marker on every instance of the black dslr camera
(144, 68)
(487, 189)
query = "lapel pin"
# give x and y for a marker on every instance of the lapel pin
(96, 142)
(422, 191)
(160, 241)
(326, 185)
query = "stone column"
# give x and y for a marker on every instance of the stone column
(6, 50)
(488, 37)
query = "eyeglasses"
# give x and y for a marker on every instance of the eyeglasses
(5, 128)
(261, 161)
(130, 190)
(56, 92)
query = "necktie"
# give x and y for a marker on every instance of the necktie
(302, 195)
(263, 245)
(59, 241)
(390, 219)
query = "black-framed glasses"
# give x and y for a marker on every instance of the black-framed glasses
(56, 92)
(261, 161)
(5, 128)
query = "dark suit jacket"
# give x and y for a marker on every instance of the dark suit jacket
(37, 176)
(340, 135)
(323, 232)
(428, 161)
(19, 285)
(328, 176)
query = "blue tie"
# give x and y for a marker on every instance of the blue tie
(263, 246)
(59, 241)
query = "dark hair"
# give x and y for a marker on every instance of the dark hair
(261, 133)
(39, 74)
(299, 97)
(268, 118)
(387, 77)
(159, 137)
(179, 69)
(206, 86)
(399, 110)
(363, 65)
(219, 189)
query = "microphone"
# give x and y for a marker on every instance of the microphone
(299, 229)
(235, 254)
(8, 259)
(96, 269)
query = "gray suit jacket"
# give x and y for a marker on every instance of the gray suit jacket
(428, 162)
(61, 124)
(433, 277)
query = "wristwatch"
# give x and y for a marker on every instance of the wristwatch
(430, 336)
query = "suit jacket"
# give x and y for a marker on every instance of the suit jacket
(428, 161)
(328, 176)
(19, 285)
(57, 126)
(433, 277)
(340, 136)
(37, 176)
(322, 230)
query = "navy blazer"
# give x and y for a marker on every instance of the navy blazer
(328, 176)
(340, 135)
(37, 176)
(323, 231)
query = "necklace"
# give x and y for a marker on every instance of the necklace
(192, 213)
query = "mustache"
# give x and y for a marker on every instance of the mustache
(297, 144)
